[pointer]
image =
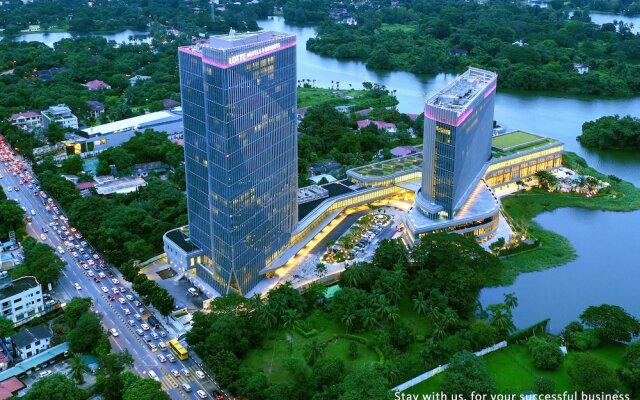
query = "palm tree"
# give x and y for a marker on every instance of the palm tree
(434, 314)
(368, 318)
(290, 318)
(321, 270)
(399, 279)
(313, 350)
(348, 320)
(439, 331)
(449, 318)
(420, 304)
(269, 317)
(314, 83)
(77, 368)
(332, 84)
(510, 300)
(500, 318)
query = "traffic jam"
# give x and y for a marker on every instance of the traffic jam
(94, 267)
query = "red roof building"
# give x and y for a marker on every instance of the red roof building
(10, 387)
(97, 85)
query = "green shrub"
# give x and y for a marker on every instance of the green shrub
(544, 385)
(587, 339)
(545, 355)
(381, 358)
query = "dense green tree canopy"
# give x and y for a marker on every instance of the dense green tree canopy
(40, 261)
(55, 387)
(467, 373)
(611, 322)
(612, 132)
(589, 374)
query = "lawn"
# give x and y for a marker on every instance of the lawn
(513, 139)
(514, 372)
(272, 357)
(405, 28)
(358, 99)
(556, 250)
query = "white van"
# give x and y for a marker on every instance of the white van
(162, 346)
(153, 347)
(186, 387)
(153, 375)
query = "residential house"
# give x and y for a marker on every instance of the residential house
(138, 78)
(31, 341)
(581, 68)
(156, 167)
(459, 53)
(10, 387)
(47, 73)
(97, 85)
(26, 120)
(402, 151)
(387, 126)
(365, 112)
(60, 114)
(20, 299)
(96, 109)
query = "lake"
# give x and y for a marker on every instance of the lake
(559, 117)
(50, 38)
(603, 18)
(605, 271)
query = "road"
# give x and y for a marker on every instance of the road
(112, 313)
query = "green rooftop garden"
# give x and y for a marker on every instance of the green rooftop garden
(517, 142)
(392, 166)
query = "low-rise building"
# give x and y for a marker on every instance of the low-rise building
(97, 85)
(168, 104)
(138, 78)
(26, 120)
(31, 341)
(387, 126)
(581, 68)
(120, 186)
(96, 109)
(60, 114)
(156, 167)
(20, 299)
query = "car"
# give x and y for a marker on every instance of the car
(171, 358)
(78, 236)
(105, 289)
(185, 372)
(123, 289)
(162, 333)
(162, 358)
(91, 274)
(132, 322)
(139, 332)
(115, 290)
(112, 298)
(154, 335)
(186, 387)
(91, 263)
(60, 250)
(115, 281)
(137, 303)
(142, 310)
(129, 297)
(9, 189)
(147, 338)
(43, 236)
(73, 229)
(137, 316)
(202, 394)
(84, 266)
(145, 327)
(74, 254)
(101, 275)
(127, 311)
(175, 373)
(77, 286)
(114, 332)
(44, 230)
(97, 257)
(96, 280)
(122, 300)
(83, 243)
(44, 373)
(64, 228)
(17, 188)
(86, 256)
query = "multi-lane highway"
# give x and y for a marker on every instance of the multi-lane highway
(119, 311)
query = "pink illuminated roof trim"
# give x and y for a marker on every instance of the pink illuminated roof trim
(456, 123)
(189, 50)
(491, 90)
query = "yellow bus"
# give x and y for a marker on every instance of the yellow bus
(178, 349)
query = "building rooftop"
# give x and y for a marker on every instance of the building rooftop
(30, 335)
(178, 237)
(121, 186)
(459, 94)
(9, 387)
(518, 142)
(18, 286)
(393, 166)
(27, 114)
(137, 123)
(335, 189)
(95, 105)
(32, 362)
(234, 39)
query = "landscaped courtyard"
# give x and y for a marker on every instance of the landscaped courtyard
(514, 372)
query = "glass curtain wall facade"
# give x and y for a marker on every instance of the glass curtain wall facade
(239, 107)
(458, 126)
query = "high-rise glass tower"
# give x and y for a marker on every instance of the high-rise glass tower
(458, 127)
(239, 106)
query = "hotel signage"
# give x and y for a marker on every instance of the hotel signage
(238, 58)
